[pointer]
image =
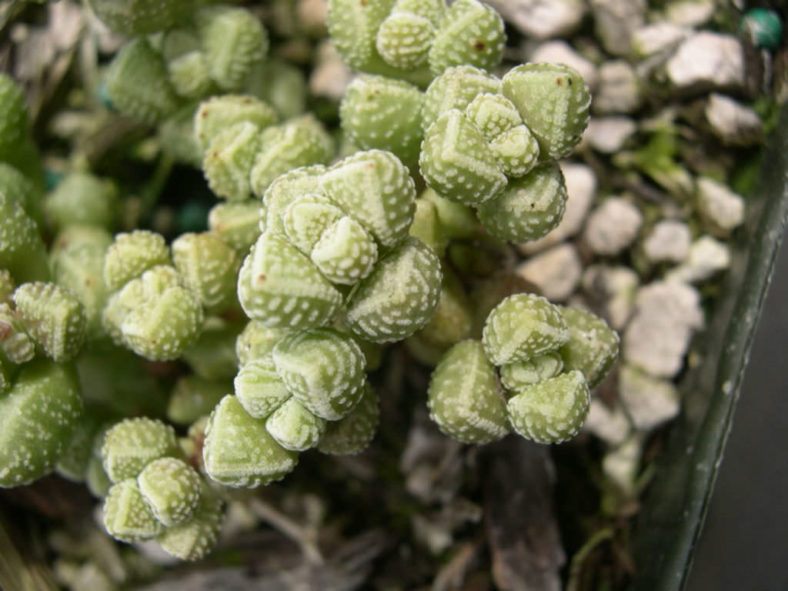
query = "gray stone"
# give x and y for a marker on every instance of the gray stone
(690, 13)
(622, 464)
(667, 313)
(331, 75)
(555, 272)
(542, 19)
(648, 401)
(560, 52)
(581, 190)
(668, 242)
(610, 425)
(612, 226)
(707, 60)
(733, 123)
(613, 290)
(657, 38)
(615, 20)
(720, 208)
(707, 257)
(608, 134)
(618, 89)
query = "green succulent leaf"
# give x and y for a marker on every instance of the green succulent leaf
(259, 388)
(382, 113)
(521, 374)
(196, 537)
(294, 427)
(239, 452)
(138, 17)
(132, 444)
(127, 517)
(224, 111)
(592, 347)
(171, 488)
(131, 254)
(521, 327)
(398, 297)
(323, 369)
(281, 288)
(234, 41)
(38, 417)
(376, 189)
(138, 83)
(551, 411)
(465, 399)
(529, 207)
(472, 34)
(553, 100)
(457, 162)
(353, 433)
(52, 317)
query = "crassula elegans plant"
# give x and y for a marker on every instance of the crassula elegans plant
(261, 336)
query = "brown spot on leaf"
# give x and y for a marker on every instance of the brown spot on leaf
(479, 46)
(558, 81)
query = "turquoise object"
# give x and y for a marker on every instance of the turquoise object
(763, 27)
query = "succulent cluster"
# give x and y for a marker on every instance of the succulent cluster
(485, 142)
(415, 39)
(531, 372)
(155, 494)
(329, 259)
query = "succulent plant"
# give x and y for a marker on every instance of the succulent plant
(330, 259)
(155, 493)
(530, 373)
(38, 416)
(415, 39)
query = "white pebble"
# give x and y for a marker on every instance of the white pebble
(708, 60)
(667, 313)
(668, 242)
(707, 257)
(608, 134)
(618, 90)
(648, 401)
(612, 226)
(720, 208)
(555, 272)
(733, 123)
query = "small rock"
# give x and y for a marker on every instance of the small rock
(668, 242)
(555, 272)
(618, 90)
(612, 226)
(733, 123)
(690, 13)
(312, 15)
(667, 313)
(580, 189)
(615, 20)
(331, 75)
(622, 464)
(648, 401)
(719, 207)
(610, 425)
(707, 257)
(540, 19)
(613, 291)
(707, 60)
(608, 134)
(560, 52)
(657, 38)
